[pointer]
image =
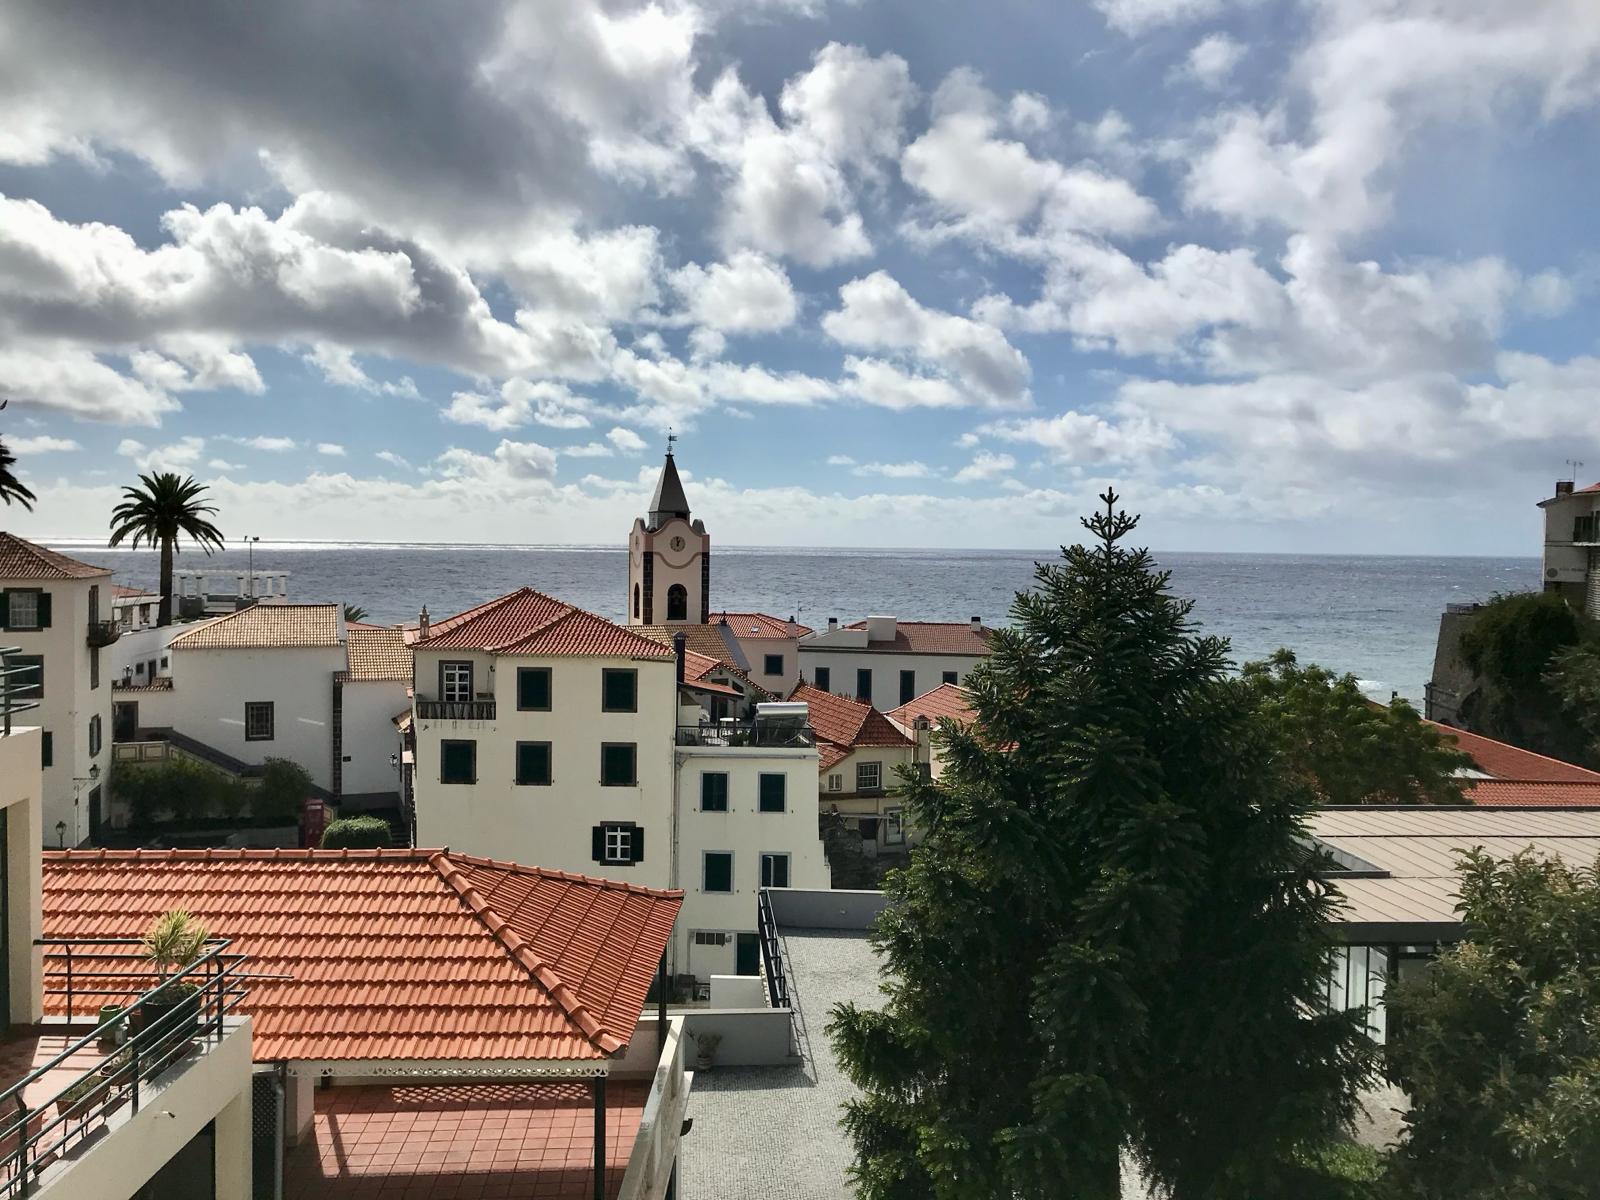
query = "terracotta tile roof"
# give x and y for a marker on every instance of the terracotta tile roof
(931, 637)
(1522, 793)
(714, 641)
(21, 559)
(847, 722)
(698, 667)
(377, 654)
(948, 700)
(1504, 761)
(121, 591)
(754, 624)
(393, 954)
(529, 622)
(267, 626)
(830, 755)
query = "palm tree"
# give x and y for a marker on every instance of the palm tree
(10, 487)
(156, 514)
(354, 613)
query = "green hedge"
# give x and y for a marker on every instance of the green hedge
(181, 791)
(357, 833)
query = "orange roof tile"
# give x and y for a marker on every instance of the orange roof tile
(267, 626)
(830, 755)
(393, 954)
(847, 722)
(930, 637)
(1504, 761)
(947, 701)
(529, 622)
(1522, 793)
(755, 624)
(714, 641)
(377, 654)
(22, 559)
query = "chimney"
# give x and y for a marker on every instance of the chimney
(678, 641)
(833, 624)
(977, 624)
(793, 629)
(422, 624)
(1564, 487)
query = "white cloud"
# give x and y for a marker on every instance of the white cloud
(626, 440)
(900, 470)
(393, 459)
(519, 402)
(179, 456)
(841, 460)
(985, 465)
(1137, 16)
(271, 444)
(514, 461)
(876, 313)
(1212, 59)
(222, 464)
(339, 367)
(749, 293)
(587, 450)
(330, 449)
(64, 377)
(43, 444)
(1086, 438)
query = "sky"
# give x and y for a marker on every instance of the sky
(1290, 275)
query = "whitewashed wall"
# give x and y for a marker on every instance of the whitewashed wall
(885, 667)
(370, 736)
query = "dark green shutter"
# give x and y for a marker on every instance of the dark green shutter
(47, 750)
(5, 608)
(44, 610)
(599, 846)
(637, 841)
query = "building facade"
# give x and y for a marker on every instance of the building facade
(669, 559)
(770, 647)
(1572, 545)
(886, 662)
(56, 612)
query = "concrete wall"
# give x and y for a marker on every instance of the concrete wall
(69, 703)
(211, 687)
(755, 651)
(20, 785)
(370, 736)
(551, 826)
(1451, 679)
(842, 665)
(137, 648)
(211, 1086)
(751, 1037)
(841, 909)
(746, 832)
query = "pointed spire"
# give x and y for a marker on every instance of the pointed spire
(669, 500)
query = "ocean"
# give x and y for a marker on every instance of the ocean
(1374, 617)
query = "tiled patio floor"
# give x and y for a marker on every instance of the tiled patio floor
(460, 1142)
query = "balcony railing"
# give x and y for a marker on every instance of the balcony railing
(171, 1020)
(455, 710)
(102, 633)
(777, 735)
(18, 687)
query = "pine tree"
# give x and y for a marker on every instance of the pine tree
(1111, 936)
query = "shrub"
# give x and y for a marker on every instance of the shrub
(177, 790)
(357, 833)
(282, 792)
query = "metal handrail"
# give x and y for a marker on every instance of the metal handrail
(455, 710)
(11, 701)
(139, 1059)
(767, 734)
(771, 952)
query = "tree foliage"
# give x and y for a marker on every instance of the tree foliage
(1510, 646)
(12, 489)
(1112, 934)
(1498, 1045)
(357, 833)
(1574, 678)
(355, 613)
(282, 792)
(1348, 749)
(158, 513)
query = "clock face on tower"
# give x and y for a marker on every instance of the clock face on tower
(677, 542)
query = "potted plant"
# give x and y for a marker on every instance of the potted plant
(112, 1031)
(79, 1096)
(706, 1049)
(172, 944)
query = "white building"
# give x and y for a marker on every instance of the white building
(887, 662)
(919, 720)
(770, 647)
(669, 560)
(861, 754)
(57, 612)
(375, 690)
(1572, 545)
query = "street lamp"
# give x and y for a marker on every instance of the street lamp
(61, 835)
(250, 545)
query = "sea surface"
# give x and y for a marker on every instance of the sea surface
(1374, 617)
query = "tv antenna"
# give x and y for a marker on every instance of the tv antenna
(1573, 467)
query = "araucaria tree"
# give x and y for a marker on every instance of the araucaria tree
(1112, 937)
(157, 514)
(1498, 1044)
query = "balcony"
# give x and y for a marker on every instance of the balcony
(102, 633)
(455, 710)
(1586, 530)
(76, 1081)
(769, 735)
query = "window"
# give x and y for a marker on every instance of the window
(773, 664)
(714, 791)
(94, 667)
(618, 764)
(708, 937)
(636, 601)
(618, 843)
(165, 662)
(94, 735)
(772, 792)
(774, 870)
(869, 776)
(27, 684)
(47, 749)
(455, 682)
(908, 686)
(458, 762)
(619, 690)
(533, 763)
(716, 874)
(94, 604)
(835, 782)
(864, 685)
(533, 689)
(258, 721)
(823, 679)
(27, 608)
(894, 826)
(948, 677)
(677, 603)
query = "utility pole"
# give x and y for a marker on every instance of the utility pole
(250, 545)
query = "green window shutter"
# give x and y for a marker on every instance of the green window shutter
(714, 792)
(533, 688)
(5, 606)
(772, 793)
(44, 610)
(47, 750)
(636, 843)
(598, 843)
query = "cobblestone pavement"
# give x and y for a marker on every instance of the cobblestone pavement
(773, 1132)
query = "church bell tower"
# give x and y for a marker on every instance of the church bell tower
(669, 558)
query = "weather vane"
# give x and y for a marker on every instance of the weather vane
(671, 438)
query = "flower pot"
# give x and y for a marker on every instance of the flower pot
(82, 1099)
(156, 1009)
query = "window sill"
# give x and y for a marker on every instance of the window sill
(634, 783)
(533, 783)
(458, 782)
